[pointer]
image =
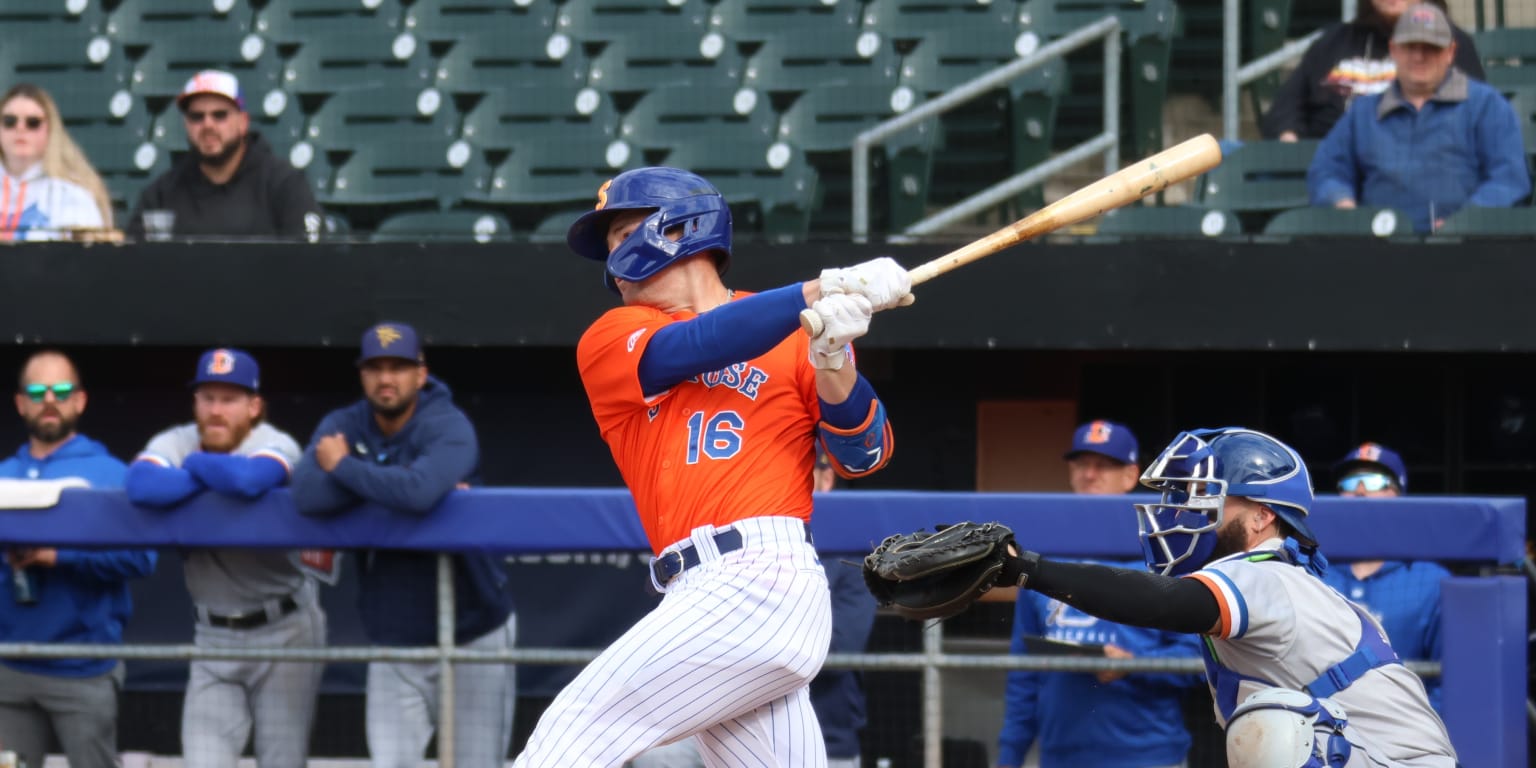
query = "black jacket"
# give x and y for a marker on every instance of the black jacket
(1346, 61)
(266, 198)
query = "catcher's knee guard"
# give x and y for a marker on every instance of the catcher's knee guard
(1282, 728)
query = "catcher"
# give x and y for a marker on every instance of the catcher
(1301, 677)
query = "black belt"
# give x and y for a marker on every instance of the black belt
(255, 619)
(674, 561)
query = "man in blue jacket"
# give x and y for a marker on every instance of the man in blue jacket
(1434, 142)
(62, 595)
(1105, 719)
(404, 447)
(1403, 596)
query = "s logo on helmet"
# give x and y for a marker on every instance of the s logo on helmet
(602, 195)
(1099, 432)
(221, 363)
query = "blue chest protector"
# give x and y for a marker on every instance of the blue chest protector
(1371, 651)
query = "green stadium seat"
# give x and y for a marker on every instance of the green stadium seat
(459, 226)
(824, 57)
(1188, 222)
(680, 114)
(757, 21)
(125, 166)
(291, 23)
(21, 18)
(551, 229)
(601, 21)
(1337, 222)
(1148, 30)
(506, 116)
(548, 174)
(527, 56)
(164, 69)
(1522, 97)
(362, 57)
(60, 59)
(92, 102)
(627, 67)
(1490, 222)
(142, 23)
(1258, 179)
(377, 179)
(771, 187)
(912, 21)
(448, 21)
(350, 119)
(1508, 54)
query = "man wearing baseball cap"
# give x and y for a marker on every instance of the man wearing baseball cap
(1434, 142)
(1107, 719)
(404, 447)
(245, 598)
(230, 184)
(1404, 596)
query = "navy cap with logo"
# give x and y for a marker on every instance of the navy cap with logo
(228, 366)
(1105, 438)
(391, 340)
(1375, 456)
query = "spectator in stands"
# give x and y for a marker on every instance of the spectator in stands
(62, 595)
(405, 447)
(1403, 596)
(230, 184)
(1432, 143)
(1106, 719)
(837, 695)
(243, 598)
(48, 189)
(1350, 59)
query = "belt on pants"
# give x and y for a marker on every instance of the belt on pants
(254, 619)
(673, 562)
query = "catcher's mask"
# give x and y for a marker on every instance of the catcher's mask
(1197, 472)
(678, 200)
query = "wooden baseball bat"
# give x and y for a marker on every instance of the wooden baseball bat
(1127, 185)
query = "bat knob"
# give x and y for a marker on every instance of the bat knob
(810, 322)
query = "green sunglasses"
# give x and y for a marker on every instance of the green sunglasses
(39, 392)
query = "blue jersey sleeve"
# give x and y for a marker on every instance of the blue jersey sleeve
(447, 457)
(244, 476)
(730, 333)
(154, 485)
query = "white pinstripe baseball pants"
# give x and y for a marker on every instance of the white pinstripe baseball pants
(726, 655)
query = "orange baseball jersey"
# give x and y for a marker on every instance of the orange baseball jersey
(716, 448)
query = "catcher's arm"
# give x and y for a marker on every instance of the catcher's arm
(1122, 595)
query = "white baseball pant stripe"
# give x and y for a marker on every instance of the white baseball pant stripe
(726, 655)
(402, 704)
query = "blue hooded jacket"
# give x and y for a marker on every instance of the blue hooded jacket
(409, 472)
(84, 597)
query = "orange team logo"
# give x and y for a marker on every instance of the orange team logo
(1098, 432)
(387, 335)
(221, 363)
(1369, 452)
(602, 195)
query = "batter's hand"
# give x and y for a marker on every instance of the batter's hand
(330, 450)
(884, 282)
(844, 317)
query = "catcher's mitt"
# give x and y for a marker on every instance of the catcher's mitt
(937, 575)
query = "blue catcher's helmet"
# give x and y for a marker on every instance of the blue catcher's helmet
(1197, 472)
(678, 198)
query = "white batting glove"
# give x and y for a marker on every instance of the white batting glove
(882, 281)
(844, 317)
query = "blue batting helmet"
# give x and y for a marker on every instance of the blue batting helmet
(679, 200)
(1197, 472)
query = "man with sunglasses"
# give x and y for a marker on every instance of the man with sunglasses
(230, 184)
(242, 598)
(62, 595)
(1403, 596)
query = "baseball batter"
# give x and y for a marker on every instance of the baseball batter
(1285, 654)
(710, 401)
(242, 598)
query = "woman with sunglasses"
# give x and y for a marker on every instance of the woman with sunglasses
(48, 189)
(1404, 596)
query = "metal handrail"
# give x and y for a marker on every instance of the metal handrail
(1106, 142)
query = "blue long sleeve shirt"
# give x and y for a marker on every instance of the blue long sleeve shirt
(408, 472)
(84, 597)
(1405, 598)
(1462, 148)
(1134, 722)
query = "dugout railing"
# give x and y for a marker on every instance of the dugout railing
(1483, 616)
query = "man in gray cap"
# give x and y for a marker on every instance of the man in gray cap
(1435, 142)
